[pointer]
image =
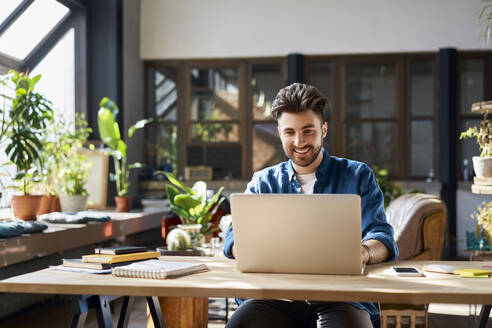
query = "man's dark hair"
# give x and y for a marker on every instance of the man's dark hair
(298, 98)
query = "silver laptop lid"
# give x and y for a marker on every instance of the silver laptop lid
(297, 233)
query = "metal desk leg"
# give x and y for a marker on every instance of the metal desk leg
(125, 311)
(81, 304)
(103, 313)
(79, 311)
(484, 316)
(155, 311)
(227, 310)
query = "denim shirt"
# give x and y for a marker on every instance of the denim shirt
(333, 176)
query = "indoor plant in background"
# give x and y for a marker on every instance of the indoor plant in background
(390, 190)
(193, 207)
(24, 124)
(482, 164)
(483, 235)
(109, 132)
(70, 168)
(75, 173)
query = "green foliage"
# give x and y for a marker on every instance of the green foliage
(23, 124)
(483, 135)
(191, 207)
(389, 189)
(109, 132)
(483, 215)
(62, 142)
(211, 132)
(75, 175)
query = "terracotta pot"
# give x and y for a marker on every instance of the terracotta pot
(122, 203)
(46, 204)
(56, 205)
(25, 207)
(482, 166)
(73, 203)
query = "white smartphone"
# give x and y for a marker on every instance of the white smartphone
(406, 271)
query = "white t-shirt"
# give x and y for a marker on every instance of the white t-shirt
(307, 182)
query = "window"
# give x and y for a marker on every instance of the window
(382, 109)
(370, 103)
(34, 24)
(161, 137)
(214, 125)
(320, 74)
(471, 89)
(41, 37)
(422, 104)
(266, 80)
(58, 77)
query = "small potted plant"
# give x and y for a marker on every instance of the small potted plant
(75, 174)
(109, 132)
(482, 164)
(193, 207)
(483, 215)
(23, 124)
(390, 190)
(65, 172)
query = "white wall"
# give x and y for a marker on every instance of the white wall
(235, 28)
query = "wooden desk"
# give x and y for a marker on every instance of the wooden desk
(224, 281)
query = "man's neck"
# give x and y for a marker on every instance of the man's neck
(311, 168)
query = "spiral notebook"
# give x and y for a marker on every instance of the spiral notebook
(157, 269)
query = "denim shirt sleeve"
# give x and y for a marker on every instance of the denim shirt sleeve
(374, 223)
(252, 188)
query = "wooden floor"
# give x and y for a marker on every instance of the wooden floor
(56, 313)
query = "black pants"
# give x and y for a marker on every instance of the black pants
(279, 313)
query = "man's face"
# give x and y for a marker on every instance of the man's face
(302, 138)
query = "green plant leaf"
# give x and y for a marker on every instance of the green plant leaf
(106, 124)
(140, 124)
(121, 148)
(186, 201)
(110, 105)
(171, 193)
(172, 178)
(135, 165)
(214, 200)
(33, 81)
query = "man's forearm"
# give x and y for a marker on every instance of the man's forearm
(377, 252)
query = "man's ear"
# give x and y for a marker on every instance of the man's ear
(278, 130)
(324, 128)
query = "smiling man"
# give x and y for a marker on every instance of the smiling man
(299, 112)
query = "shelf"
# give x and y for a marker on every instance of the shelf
(482, 186)
(483, 107)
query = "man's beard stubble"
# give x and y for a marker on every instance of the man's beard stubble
(304, 163)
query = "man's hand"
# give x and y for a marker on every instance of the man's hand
(377, 252)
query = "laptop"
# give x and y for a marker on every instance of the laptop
(297, 233)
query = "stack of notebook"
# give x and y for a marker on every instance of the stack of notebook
(108, 257)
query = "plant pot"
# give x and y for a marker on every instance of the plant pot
(25, 207)
(56, 205)
(46, 204)
(197, 238)
(122, 203)
(482, 166)
(73, 203)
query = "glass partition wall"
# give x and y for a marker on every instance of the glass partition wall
(383, 111)
(214, 114)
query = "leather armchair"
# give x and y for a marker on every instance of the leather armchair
(419, 221)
